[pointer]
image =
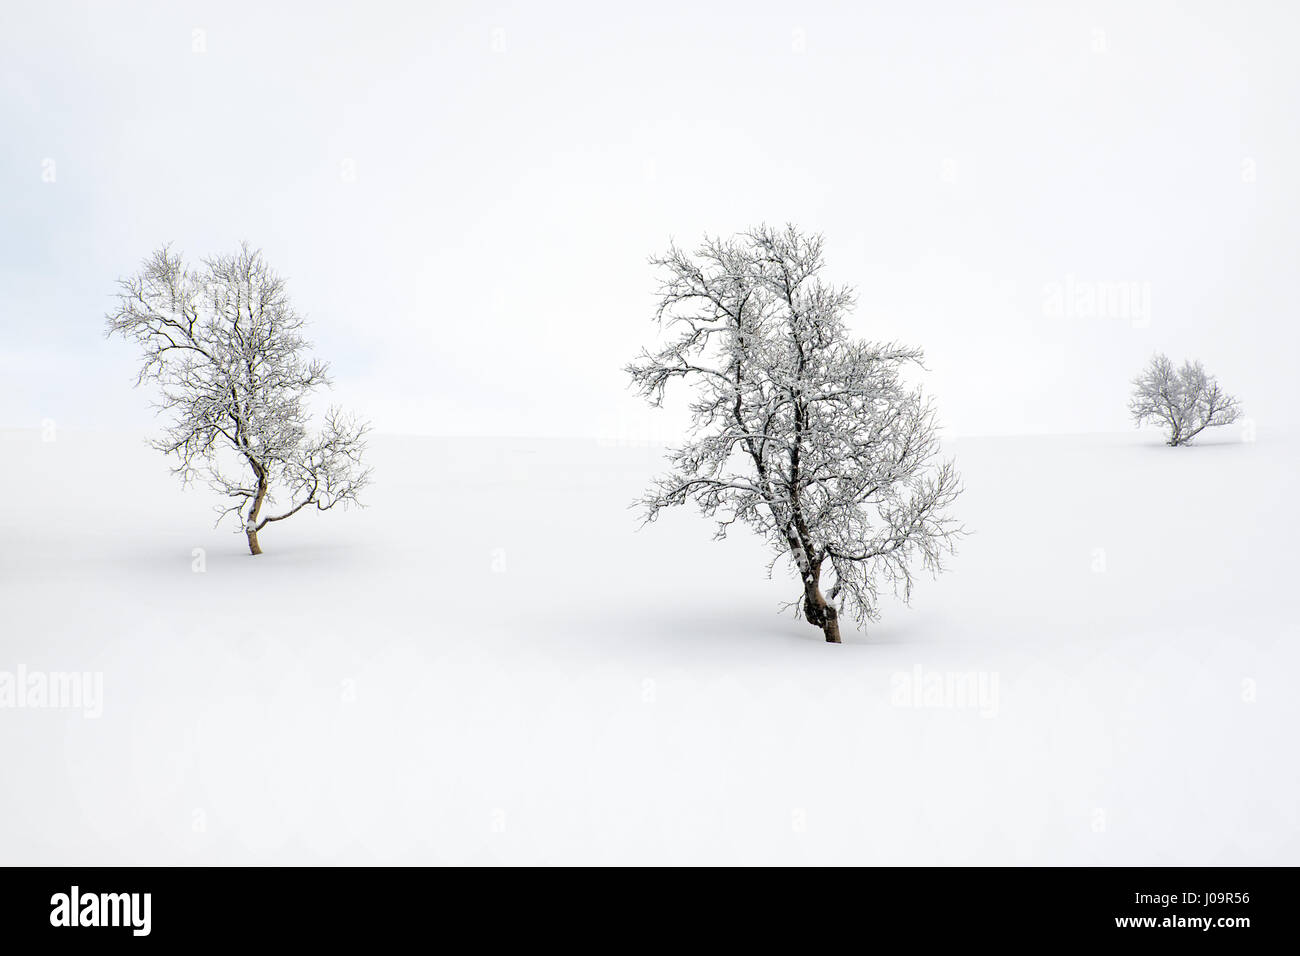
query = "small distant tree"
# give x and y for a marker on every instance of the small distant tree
(225, 347)
(806, 435)
(1184, 401)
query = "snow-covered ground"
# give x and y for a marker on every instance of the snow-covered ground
(493, 664)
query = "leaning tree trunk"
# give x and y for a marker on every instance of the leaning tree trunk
(250, 526)
(818, 612)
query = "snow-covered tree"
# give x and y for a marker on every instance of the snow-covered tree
(808, 436)
(1183, 401)
(226, 349)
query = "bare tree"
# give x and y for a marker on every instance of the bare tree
(1183, 401)
(225, 347)
(809, 437)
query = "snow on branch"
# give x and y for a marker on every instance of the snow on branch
(808, 436)
(225, 349)
(1183, 401)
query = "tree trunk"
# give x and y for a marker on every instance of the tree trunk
(819, 613)
(250, 526)
(831, 626)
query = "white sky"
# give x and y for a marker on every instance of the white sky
(485, 271)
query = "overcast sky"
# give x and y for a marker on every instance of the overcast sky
(463, 196)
